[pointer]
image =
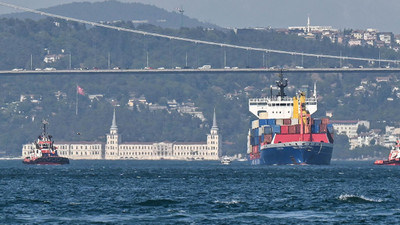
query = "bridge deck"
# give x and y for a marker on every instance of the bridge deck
(198, 71)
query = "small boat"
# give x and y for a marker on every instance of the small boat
(394, 157)
(226, 160)
(44, 152)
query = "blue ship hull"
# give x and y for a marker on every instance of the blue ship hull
(301, 153)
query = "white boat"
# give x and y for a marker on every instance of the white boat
(226, 160)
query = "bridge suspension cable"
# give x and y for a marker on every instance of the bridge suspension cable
(195, 40)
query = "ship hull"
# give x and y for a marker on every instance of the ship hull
(298, 153)
(47, 161)
(392, 162)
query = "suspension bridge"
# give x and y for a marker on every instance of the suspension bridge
(210, 43)
(197, 71)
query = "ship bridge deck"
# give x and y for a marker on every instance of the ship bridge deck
(278, 107)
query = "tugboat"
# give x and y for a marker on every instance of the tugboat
(44, 152)
(394, 157)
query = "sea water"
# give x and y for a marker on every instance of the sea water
(176, 192)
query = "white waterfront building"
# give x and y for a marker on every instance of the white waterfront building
(115, 149)
(76, 150)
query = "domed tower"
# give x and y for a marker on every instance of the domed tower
(113, 140)
(214, 140)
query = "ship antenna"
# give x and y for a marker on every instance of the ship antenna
(270, 88)
(315, 89)
(44, 127)
(282, 83)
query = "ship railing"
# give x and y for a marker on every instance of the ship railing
(268, 99)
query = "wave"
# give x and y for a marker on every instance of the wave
(157, 202)
(233, 202)
(74, 203)
(358, 199)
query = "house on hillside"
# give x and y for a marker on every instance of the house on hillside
(52, 58)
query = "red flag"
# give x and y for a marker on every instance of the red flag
(80, 90)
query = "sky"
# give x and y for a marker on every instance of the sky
(342, 14)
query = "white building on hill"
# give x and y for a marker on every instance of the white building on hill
(349, 127)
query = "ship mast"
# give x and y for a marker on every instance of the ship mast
(44, 127)
(282, 83)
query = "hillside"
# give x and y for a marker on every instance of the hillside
(116, 11)
(53, 97)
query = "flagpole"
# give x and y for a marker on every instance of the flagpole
(76, 105)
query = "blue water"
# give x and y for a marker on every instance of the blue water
(173, 192)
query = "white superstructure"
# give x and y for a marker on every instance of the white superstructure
(279, 107)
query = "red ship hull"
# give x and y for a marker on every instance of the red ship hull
(394, 162)
(394, 159)
(46, 161)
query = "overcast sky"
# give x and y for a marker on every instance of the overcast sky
(357, 14)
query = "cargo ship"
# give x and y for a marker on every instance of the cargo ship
(394, 157)
(285, 133)
(44, 152)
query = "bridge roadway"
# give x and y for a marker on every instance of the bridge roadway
(195, 71)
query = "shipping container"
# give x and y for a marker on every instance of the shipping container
(267, 138)
(255, 124)
(260, 131)
(322, 128)
(292, 129)
(276, 129)
(284, 129)
(255, 149)
(317, 122)
(255, 132)
(287, 121)
(262, 122)
(267, 130)
(294, 122)
(325, 120)
(315, 129)
(256, 141)
(298, 128)
(271, 122)
(252, 141)
(263, 115)
(279, 122)
(262, 139)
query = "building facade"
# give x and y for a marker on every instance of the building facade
(115, 149)
(349, 127)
